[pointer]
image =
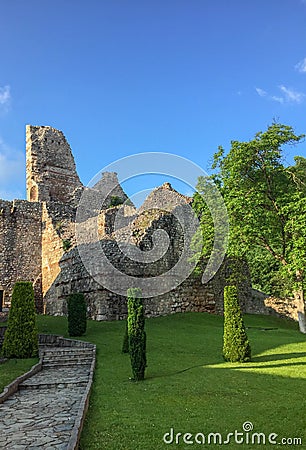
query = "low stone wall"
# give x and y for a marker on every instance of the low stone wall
(55, 340)
(282, 307)
(260, 303)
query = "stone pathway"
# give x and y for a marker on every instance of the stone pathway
(42, 413)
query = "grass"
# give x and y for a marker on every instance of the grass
(189, 387)
(13, 368)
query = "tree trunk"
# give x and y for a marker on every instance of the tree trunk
(299, 300)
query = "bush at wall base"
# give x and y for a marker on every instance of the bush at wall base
(236, 346)
(77, 314)
(21, 336)
(136, 334)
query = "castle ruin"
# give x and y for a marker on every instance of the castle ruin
(38, 241)
(38, 238)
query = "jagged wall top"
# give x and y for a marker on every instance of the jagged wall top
(108, 187)
(51, 170)
(164, 197)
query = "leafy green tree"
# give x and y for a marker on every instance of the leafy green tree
(77, 314)
(266, 275)
(265, 199)
(236, 346)
(296, 254)
(136, 333)
(21, 337)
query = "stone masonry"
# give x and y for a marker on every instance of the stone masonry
(21, 245)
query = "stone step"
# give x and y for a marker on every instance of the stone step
(69, 358)
(67, 350)
(60, 384)
(68, 347)
(66, 355)
(72, 364)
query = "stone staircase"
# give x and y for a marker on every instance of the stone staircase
(65, 357)
(48, 409)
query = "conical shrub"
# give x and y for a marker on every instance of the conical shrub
(21, 336)
(236, 346)
(77, 314)
(136, 334)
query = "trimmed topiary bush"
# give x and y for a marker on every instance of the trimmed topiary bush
(21, 336)
(77, 314)
(236, 346)
(136, 334)
(125, 345)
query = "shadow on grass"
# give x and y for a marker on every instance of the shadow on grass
(171, 374)
(268, 366)
(278, 356)
(247, 365)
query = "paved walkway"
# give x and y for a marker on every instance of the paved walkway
(42, 413)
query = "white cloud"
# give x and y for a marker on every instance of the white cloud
(291, 95)
(261, 92)
(5, 95)
(277, 99)
(301, 66)
(12, 169)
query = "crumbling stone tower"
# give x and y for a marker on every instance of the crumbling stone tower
(50, 167)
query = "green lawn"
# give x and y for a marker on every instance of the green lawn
(188, 386)
(11, 369)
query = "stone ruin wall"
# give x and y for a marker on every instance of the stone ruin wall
(20, 246)
(191, 295)
(259, 303)
(58, 227)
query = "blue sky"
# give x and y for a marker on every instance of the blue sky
(123, 77)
